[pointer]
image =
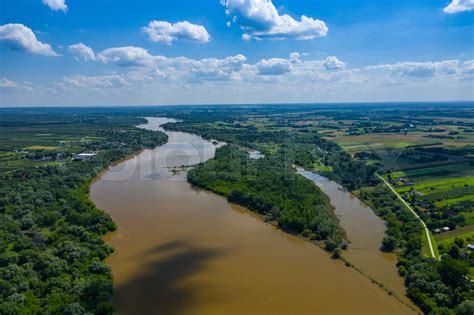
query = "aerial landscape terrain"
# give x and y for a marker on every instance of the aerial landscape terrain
(175, 158)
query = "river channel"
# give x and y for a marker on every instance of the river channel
(365, 230)
(182, 250)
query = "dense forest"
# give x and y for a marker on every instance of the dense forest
(437, 287)
(271, 187)
(51, 251)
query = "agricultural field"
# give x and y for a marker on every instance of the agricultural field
(428, 159)
(28, 141)
(465, 233)
(426, 153)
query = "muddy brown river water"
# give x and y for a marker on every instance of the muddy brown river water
(181, 250)
(365, 230)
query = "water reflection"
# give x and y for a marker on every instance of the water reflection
(166, 275)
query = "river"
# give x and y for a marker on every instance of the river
(182, 250)
(365, 230)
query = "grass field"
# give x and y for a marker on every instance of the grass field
(44, 136)
(364, 142)
(440, 179)
(426, 247)
(453, 201)
(40, 147)
(429, 186)
(446, 172)
(448, 238)
(50, 138)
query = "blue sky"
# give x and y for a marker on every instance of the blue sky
(270, 51)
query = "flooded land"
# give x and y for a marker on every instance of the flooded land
(181, 250)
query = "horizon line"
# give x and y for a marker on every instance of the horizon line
(238, 104)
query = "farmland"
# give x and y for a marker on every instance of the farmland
(427, 157)
(27, 141)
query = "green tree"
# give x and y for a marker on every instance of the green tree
(453, 272)
(389, 243)
(466, 308)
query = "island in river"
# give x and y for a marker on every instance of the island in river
(182, 250)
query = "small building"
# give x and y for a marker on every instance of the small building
(437, 230)
(446, 229)
(83, 156)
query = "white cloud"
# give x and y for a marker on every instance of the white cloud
(95, 82)
(209, 69)
(182, 67)
(273, 66)
(468, 67)
(457, 6)
(56, 5)
(165, 32)
(301, 75)
(419, 69)
(182, 80)
(7, 84)
(260, 19)
(20, 37)
(82, 51)
(295, 57)
(128, 56)
(332, 63)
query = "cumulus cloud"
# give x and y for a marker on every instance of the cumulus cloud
(332, 63)
(128, 56)
(295, 57)
(297, 72)
(20, 37)
(161, 66)
(56, 5)
(165, 32)
(468, 67)
(457, 6)
(209, 69)
(419, 69)
(218, 69)
(297, 78)
(274, 66)
(260, 19)
(82, 51)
